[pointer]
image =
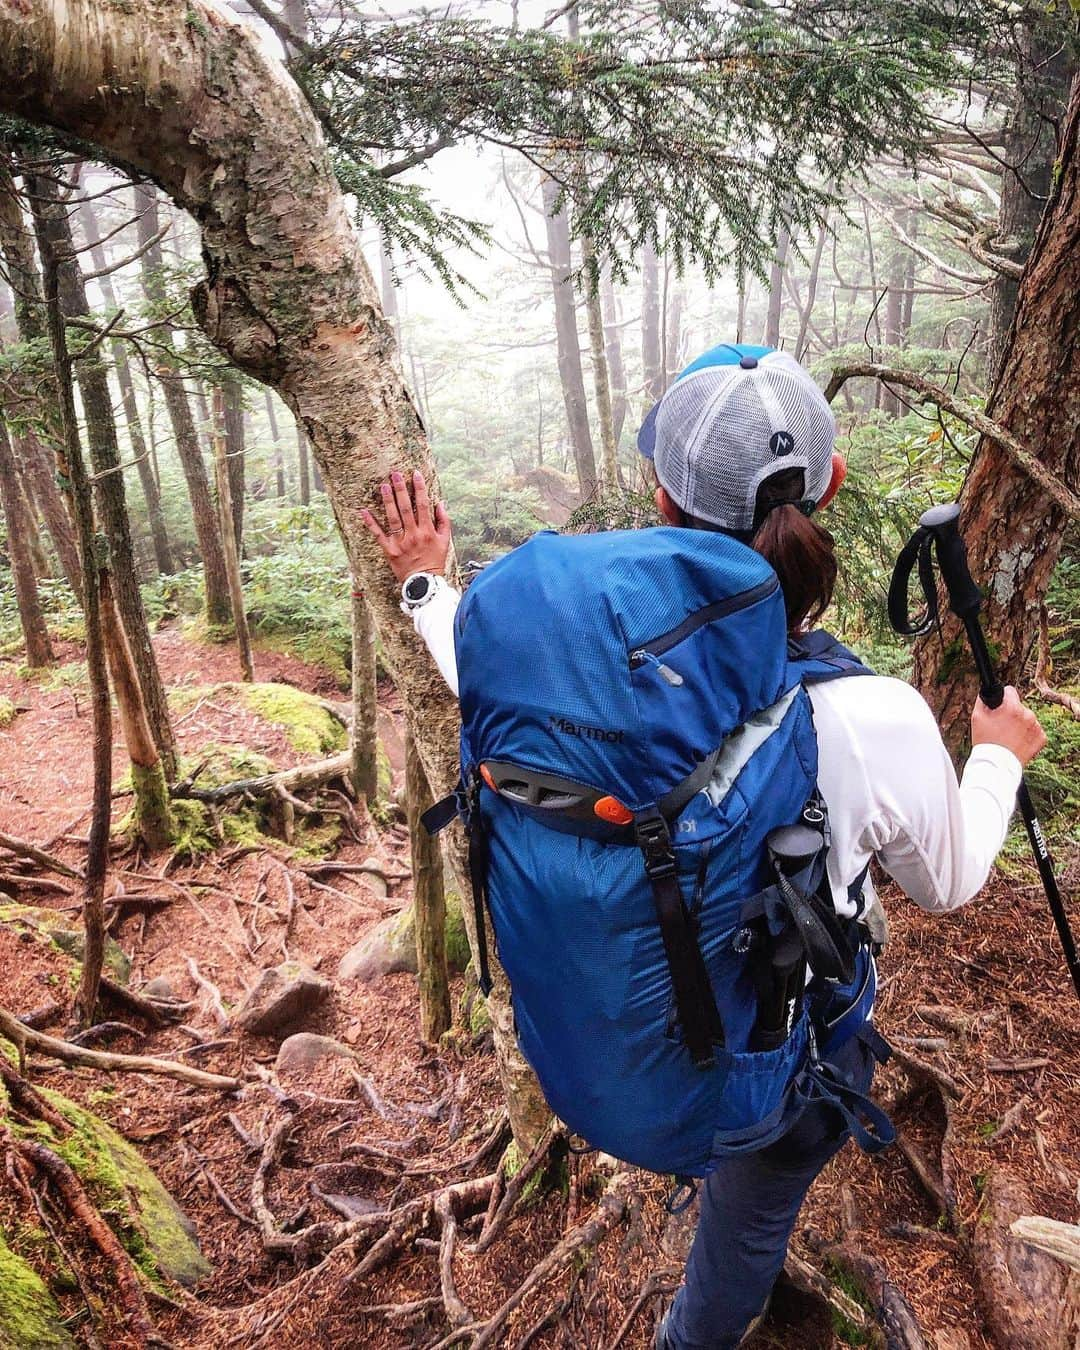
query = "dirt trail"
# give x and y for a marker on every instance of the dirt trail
(977, 995)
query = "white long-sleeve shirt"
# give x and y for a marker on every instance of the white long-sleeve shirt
(886, 778)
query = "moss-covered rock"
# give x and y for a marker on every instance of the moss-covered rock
(390, 947)
(7, 711)
(153, 1228)
(309, 726)
(46, 926)
(29, 1315)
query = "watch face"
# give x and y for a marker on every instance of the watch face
(417, 587)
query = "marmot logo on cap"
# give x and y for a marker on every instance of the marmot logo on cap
(782, 443)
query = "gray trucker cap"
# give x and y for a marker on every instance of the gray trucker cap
(733, 418)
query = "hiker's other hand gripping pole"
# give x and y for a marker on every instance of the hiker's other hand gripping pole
(938, 529)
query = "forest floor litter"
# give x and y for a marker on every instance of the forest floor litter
(978, 1006)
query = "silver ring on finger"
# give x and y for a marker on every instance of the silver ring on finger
(399, 530)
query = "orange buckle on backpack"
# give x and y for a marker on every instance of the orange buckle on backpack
(613, 811)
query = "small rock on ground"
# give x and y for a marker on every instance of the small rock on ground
(284, 997)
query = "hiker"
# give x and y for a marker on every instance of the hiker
(742, 447)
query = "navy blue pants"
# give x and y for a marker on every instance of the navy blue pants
(748, 1210)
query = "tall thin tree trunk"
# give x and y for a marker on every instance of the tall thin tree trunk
(811, 291)
(388, 290)
(616, 366)
(279, 449)
(303, 469)
(566, 336)
(39, 650)
(429, 902)
(651, 368)
(53, 230)
(894, 320)
(232, 552)
(609, 471)
(151, 815)
(673, 330)
(20, 265)
(235, 452)
(73, 468)
(158, 534)
(776, 289)
(364, 741)
(218, 608)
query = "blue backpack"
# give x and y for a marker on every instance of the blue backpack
(638, 784)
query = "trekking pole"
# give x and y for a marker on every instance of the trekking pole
(938, 527)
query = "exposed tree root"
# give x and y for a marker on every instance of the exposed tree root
(24, 1038)
(291, 781)
(22, 849)
(892, 1310)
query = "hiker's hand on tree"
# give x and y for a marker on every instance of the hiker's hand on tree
(1011, 724)
(416, 539)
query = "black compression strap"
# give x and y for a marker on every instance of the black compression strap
(694, 1002)
(479, 855)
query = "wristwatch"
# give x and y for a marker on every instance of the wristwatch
(418, 588)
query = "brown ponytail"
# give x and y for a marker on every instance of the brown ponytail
(803, 556)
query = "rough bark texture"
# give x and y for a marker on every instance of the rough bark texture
(288, 295)
(53, 229)
(429, 902)
(158, 534)
(1012, 527)
(566, 335)
(39, 650)
(218, 609)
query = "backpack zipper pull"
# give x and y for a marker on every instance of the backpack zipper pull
(639, 658)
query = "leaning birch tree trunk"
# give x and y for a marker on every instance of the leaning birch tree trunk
(429, 902)
(186, 92)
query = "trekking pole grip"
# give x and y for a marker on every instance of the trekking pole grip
(965, 598)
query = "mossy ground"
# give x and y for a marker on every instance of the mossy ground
(1054, 780)
(308, 726)
(7, 711)
(152, 1228)
(46, 926)
(29, 1314)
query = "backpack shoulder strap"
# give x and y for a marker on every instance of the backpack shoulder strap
(817, 657)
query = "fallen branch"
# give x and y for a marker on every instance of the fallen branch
(1060, 1240)
(926, 392)
(288, 780)
(25, 1038)
(22, 849)
(894, 1313)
